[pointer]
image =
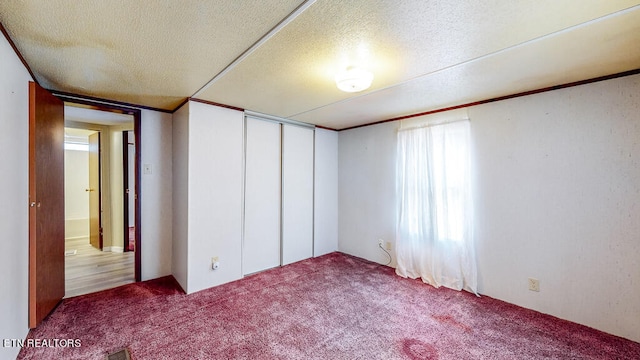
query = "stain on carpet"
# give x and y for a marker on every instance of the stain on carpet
(418, 350)
(449, 320)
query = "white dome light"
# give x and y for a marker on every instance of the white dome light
(354, 79)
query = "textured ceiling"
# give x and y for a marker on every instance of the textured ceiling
(425, 55)
(153, 52)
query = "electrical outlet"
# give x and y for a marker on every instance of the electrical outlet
(215, 264)
(380, 242)
(534, 284)
(388, 245)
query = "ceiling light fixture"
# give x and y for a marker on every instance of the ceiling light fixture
(354, 79)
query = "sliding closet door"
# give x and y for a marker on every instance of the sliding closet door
(261, 247)
(297, 193)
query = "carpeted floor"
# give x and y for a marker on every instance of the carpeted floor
(332, 307)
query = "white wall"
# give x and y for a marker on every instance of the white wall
(156, 198)
(76, 199)
(325, 223)
(215, 195)
(557, 194)
(180, 243)
(558, 199)
(14, 192)
(116, 181)
(366, 191)
(207, 195)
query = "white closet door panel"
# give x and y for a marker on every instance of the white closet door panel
(325, 203)
(261, 247)
(297, 196)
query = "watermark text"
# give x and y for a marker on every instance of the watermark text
(41, 343)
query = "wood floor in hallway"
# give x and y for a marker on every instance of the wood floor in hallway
(90, 270)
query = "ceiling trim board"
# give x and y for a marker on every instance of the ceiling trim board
(278, 119)
(505, 97)
(325, 128)
(212, 103)
(289, 18)
(15, 49)
(90, 100)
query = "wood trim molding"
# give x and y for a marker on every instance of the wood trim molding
(126, 108)
(15, 49)
(325, 128)
(186, 100)
(212, 103)
(505, 97)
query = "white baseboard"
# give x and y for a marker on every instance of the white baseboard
(77, 237)
(113, 249)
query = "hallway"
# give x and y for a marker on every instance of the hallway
(89, 269)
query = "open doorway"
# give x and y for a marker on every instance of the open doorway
(99, 177)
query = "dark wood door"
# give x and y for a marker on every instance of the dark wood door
(46, 203)
(95, 225)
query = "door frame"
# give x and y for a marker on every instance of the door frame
(98, 189)
(127, 191)
(103, 105)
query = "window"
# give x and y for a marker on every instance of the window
(434, 232)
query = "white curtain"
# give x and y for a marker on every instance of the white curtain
(434, 239)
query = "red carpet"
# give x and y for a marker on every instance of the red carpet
(331, 307)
